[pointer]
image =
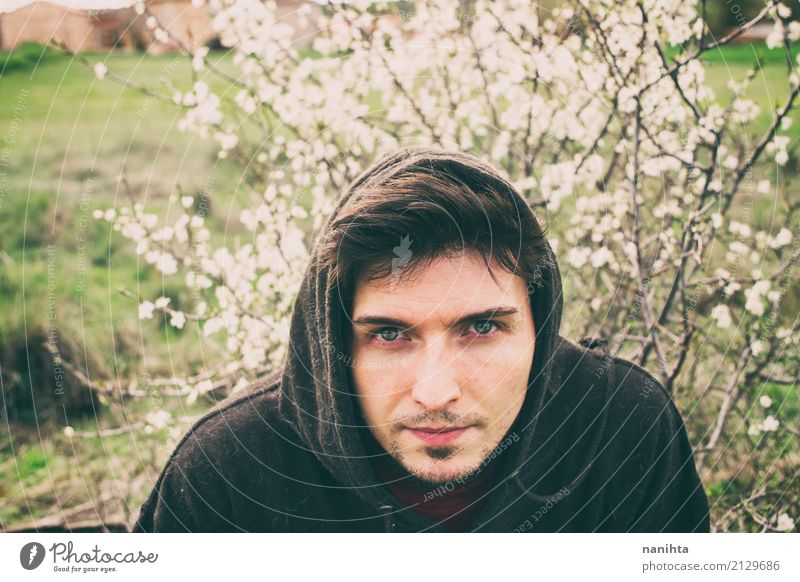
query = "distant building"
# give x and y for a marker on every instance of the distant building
(83, 30)
(759, 32)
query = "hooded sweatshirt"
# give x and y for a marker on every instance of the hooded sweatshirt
(598, 445)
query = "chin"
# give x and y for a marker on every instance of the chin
(437, 472)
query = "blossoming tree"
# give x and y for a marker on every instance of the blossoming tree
(599, 112)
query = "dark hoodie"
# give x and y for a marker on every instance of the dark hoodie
(597, 446)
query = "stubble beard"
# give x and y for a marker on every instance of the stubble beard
(438, 454)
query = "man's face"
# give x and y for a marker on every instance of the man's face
(441, 363)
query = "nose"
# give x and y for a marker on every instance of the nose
(435, 385)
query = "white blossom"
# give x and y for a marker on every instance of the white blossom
(200, 388)
(178, 319)
(778, 146)
(775, 37)
(198, 59)
(158, 418)
(146, 310)
(722, 315)
(100, 71)
(578, 256)
(785, 522)
(770, 424)
(722, 274)
(740, 229)
(783, 238)
(754, 303)
(161, 35)
(163, 261)
(765, 401)
(601, 256)
(731, 288)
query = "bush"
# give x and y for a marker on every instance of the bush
(26, 57)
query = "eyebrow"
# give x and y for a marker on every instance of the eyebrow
(491, 313)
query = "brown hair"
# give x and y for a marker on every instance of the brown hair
(420, 204)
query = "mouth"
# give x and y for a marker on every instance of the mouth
(442, 435)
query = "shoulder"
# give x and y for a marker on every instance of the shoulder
(234, 446)
(648, 408)
(643, 429)
(641, 453)
(247, 422)
(634, 404)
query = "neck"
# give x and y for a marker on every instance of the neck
(453, 503)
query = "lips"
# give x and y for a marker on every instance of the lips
(438, 435)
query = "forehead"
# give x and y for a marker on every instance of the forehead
(449, 287)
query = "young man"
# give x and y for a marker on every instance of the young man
(427, 387)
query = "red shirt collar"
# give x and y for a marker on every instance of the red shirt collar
(454, 501)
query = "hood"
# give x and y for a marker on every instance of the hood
(315, 392)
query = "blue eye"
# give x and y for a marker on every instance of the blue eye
(387, 334)
(484, 326)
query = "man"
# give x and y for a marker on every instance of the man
(427, 387)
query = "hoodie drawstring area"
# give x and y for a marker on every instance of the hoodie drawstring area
(389, 524)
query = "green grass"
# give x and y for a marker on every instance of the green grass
(742, 54)
(41, 477)
(768, 88)
(70, 137)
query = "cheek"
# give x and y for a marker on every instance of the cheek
(497, 377)
(500, 363)
(379, 390)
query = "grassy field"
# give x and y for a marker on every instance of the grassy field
(67, 138)
(769, 86)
